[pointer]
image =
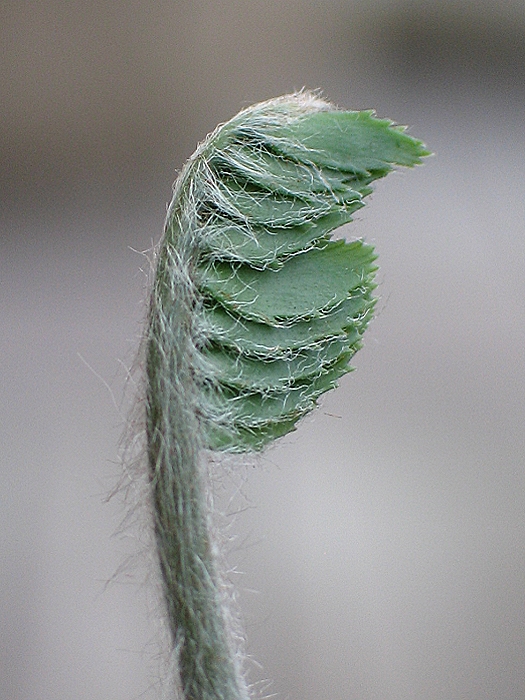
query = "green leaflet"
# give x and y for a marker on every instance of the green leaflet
(278, 308)
(277, 173)
(265, 247)
(285, 297)
(239, 438)
(352, 142)
(250, 374)
(255, 409)
(268, 342)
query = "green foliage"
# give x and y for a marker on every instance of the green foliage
(255, 312)
(274, 296)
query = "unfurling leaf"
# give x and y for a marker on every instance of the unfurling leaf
(278, 309)
(255, 312)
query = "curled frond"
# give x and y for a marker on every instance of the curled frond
(255, 312)
(249, 229)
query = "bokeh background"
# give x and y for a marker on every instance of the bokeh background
(382, 545)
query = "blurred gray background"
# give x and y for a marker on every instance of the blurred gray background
(383, 543)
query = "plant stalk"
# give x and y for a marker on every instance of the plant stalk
(207, 664)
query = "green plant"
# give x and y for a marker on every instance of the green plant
(255, 312)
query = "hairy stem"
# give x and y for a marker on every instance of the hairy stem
(207, 664)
